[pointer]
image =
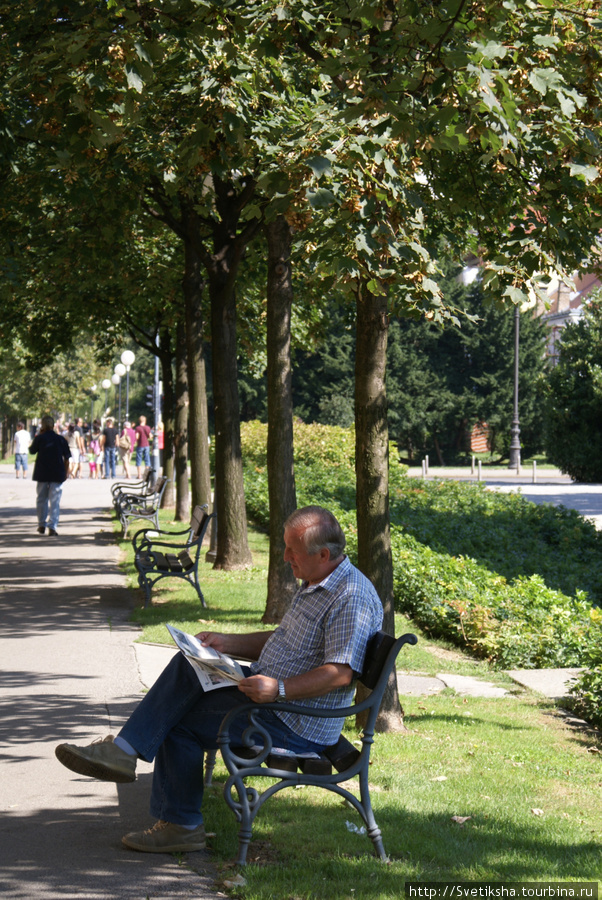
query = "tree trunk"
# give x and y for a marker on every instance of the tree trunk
(281, 474)
(181, 427)
(198, 427)
(166, 359)
(232, 541)
(372, 472)
(5, 438)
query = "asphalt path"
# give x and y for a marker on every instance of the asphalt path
(69, 673)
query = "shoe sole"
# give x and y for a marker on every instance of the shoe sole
(83, 766)
(173, 848)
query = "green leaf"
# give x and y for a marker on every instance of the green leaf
(544, 80)
(320, 165)
(135, 82)
(588, 173)
(320, 199)
(492, 50)
(516, 295)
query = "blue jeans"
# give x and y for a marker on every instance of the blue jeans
(21, 461)
(48, 503)
(175, 723)
(110, 462)
(143, 453)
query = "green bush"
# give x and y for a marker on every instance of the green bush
(586, 692)
(510, 581)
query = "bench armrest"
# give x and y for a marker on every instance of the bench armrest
(371, 702)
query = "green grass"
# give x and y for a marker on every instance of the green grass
(493, 760)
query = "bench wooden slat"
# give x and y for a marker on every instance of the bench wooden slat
(186, 560)
(161, 561)
(173, 562)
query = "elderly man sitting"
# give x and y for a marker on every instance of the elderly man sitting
(314, 655)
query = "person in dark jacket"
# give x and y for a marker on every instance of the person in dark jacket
(50, 471)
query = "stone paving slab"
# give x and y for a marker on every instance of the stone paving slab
(467, 686)
(552, 683)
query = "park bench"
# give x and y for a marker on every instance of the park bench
(120, 490)
(289, 770)
(157, 556)
(142, 506)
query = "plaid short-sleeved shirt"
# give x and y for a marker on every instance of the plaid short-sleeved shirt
(330, 622)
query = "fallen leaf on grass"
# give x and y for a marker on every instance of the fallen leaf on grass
(537, 812)
(440, 778)
(459, 820)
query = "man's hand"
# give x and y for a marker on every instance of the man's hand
(259, 688)
(213, 639)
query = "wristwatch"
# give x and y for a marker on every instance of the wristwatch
(281, 691)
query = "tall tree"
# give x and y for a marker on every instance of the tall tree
(281, 478)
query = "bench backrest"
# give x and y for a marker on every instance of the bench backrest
(377, 652)
(198, 523)
(159, 485)
(199, 514)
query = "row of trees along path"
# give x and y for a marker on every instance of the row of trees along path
(153, 153)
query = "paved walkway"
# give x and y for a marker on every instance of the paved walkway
(71, 671)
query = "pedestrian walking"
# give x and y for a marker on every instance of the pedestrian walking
(21, 444)
(108, 442)
(50, 471)
(142, 445)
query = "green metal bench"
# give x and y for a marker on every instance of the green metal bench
(290, 771)
(157, 556)
(142, 507)
(122, 491)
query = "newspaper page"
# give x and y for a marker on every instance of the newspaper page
(213, 669)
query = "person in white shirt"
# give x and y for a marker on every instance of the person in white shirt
(21, 442)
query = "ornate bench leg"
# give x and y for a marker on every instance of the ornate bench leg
(210, 757)
(374, 832)
(244, 839)
(377, 839)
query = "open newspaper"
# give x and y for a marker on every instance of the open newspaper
(213, 669)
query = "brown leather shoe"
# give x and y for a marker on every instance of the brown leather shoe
(165, 837)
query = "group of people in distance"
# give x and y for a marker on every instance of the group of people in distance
(61, 451)
(102, 447)
(109, 445)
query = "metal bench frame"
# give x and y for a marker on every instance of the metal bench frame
(245, 762)
(144, 506)
(157, 557)
(123, 490)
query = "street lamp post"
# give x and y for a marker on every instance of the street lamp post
(115, 379)
(514, 462)
(92, 396)
(127, 358)
(120, 370)
(106, 384)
